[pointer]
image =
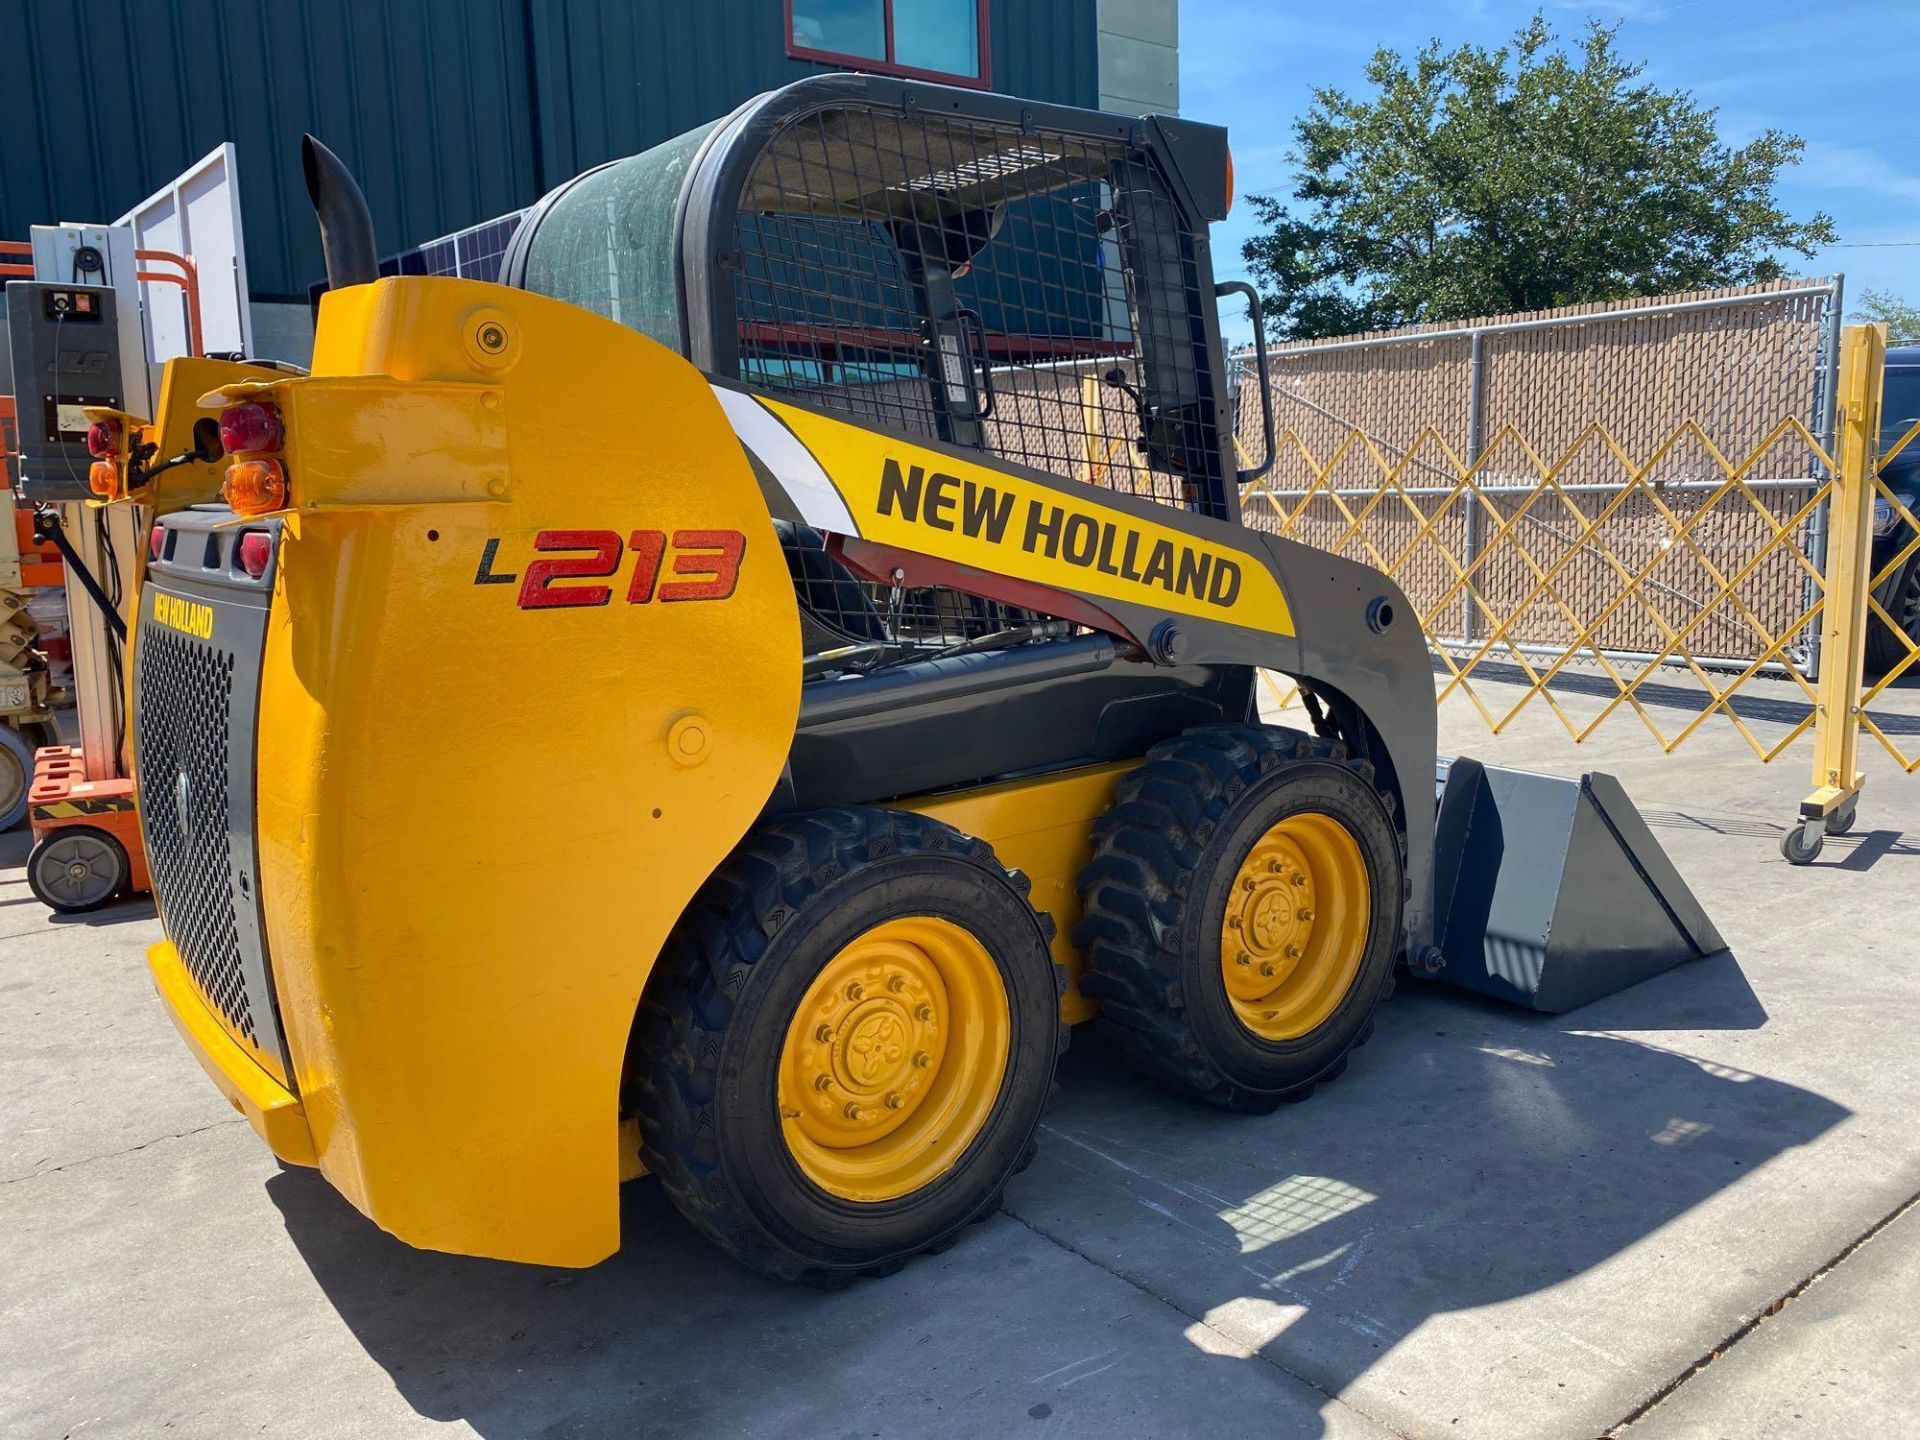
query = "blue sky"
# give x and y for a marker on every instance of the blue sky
(1844, 76)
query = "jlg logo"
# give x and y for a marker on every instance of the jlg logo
(709, 559)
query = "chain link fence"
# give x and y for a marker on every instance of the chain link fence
(1635, 410)
(1681, 495)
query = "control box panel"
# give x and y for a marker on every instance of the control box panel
(64, 342)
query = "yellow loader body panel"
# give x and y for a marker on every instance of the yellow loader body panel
(482, 802)
(1041, 825)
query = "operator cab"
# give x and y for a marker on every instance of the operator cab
(1008, 279)
(1016, 282)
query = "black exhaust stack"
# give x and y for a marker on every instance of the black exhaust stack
(346, 225)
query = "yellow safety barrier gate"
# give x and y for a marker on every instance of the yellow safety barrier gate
(1594, 556)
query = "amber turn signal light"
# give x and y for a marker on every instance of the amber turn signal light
(255, 487)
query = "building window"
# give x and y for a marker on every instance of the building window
(931, 39)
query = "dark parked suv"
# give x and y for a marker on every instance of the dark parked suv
(1899, 593)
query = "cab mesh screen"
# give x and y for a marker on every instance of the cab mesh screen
(1030, 294)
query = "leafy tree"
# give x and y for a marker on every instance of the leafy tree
(1901, 319)
(1473, 182)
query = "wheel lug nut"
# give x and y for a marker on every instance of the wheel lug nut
(1266, 967)
(923, 1012)
(1274, 867)
(922, 1060)
(1243, 958)
(823, 1033)
(1248, 883)
(789, 1113)
(823, 1082)
(896, 983)
(1299, 879)
(894, 1102)
(1234, 923)
(855, 990)
(852, 1112)
(1304, 915)
(1293, 952)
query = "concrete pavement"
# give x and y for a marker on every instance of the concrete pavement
(1841, 1358)
(1496, 1224)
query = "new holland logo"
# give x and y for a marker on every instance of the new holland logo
(1104, 543)
(1061, 532)
(189, 617)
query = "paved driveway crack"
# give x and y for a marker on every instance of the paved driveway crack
(1766, 1313)
(115, 1154)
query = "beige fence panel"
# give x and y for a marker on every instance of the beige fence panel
(1508, 390)
(1718, 554)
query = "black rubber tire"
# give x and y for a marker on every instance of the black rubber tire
(712, 1024)
(1885, 647)
(16, 754)
(1798, 848)
(1840, 821)
(41, 857)
(1155, 895)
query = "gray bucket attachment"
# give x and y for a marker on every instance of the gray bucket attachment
(1550, 892)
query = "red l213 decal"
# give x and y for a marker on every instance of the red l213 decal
(704, 564)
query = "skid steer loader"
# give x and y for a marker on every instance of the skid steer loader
(724, 700)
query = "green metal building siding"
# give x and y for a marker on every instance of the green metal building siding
(449, 111)
(616, 78)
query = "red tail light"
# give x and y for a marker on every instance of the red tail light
(256, 549)
(156, 542)
(103, 438)
(252, 427)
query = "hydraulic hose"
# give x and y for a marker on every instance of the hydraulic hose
(46, 523)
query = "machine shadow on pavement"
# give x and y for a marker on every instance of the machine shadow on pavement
(1471, 1155)
(1485, 1157)
(119, 912)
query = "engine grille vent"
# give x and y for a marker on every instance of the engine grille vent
(185, 725)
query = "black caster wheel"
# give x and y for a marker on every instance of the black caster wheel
(1840, 821)
(1802, 843)
(76, 869)
(16, 775)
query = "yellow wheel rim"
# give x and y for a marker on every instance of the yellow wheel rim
(1296, 926)
(893, 1060)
